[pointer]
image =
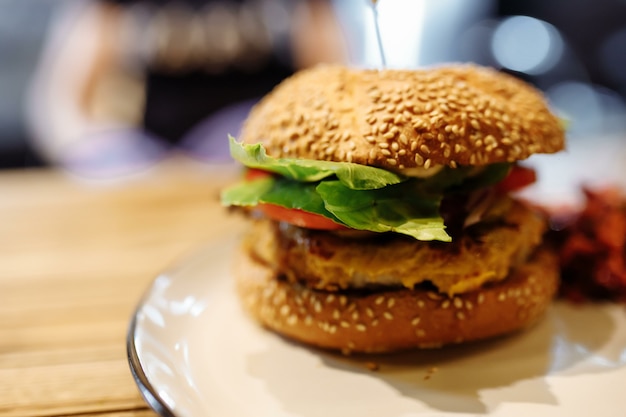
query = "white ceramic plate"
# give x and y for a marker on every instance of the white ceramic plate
(194, 353)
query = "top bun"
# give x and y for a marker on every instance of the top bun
(399, 119)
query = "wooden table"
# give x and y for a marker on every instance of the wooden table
(75, 257)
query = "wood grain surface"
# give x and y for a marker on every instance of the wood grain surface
(75, 257)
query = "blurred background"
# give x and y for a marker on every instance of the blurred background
(104, 88)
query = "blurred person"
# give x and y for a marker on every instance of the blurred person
(23, 27)
(122, 83)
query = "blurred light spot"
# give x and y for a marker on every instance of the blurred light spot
(578, 103)
(590, 110)
(525, 44)
(401, 24)
(613, 56)
(473, 43)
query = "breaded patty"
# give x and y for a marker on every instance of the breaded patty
(324, 260)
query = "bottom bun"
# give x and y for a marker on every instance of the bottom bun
(396, 319)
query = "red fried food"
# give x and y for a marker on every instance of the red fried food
(592, 249)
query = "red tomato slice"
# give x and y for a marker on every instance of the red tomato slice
(299, 217)
(255, 174)
(518, 178)
(294, 216)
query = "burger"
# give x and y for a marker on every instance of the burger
(381, 207)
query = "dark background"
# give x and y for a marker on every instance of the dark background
(177, 101)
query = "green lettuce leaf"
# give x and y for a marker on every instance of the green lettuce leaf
(390, 209)
(279, 191)
(246, 193)
(360, 197)
(353, 176)
(382, 210)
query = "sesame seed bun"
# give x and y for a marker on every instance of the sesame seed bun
(395, 319)
(398, 119)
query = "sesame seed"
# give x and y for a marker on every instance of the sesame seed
(433, 295)
(389, 135)
(360, 327)
(336, 314)
(392, 161)
(292, 320)
(415, 321)
(284, 310)
(458, 303)
(374, 322)
(355, 315)
(369, 312)
(460, 315)
(317, 306)
(343, 300)
(330, 298)
(421, 304)
(391, 302)
(379, 300)
(344, 324)
(308, 320)
(388, 315)
(445, 304)
(501, 296)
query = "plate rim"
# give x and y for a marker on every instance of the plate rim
(146, 389)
